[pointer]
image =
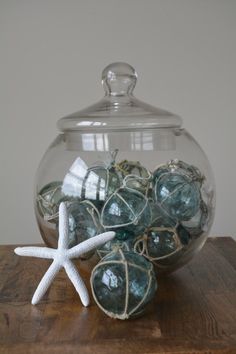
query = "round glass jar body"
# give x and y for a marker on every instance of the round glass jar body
(84, 167)
(150, 183)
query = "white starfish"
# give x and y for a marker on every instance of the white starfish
(62, 258)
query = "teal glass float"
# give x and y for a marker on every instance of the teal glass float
(48, 200)
(141, 171)
(123, 283)
(95, 183)
(177, 190)
(158, 243)
(134, 175)
(84, 223)
(163, 245)
(127, 212)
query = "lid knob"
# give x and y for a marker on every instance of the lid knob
(119, 79)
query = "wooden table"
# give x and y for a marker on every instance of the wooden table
(194, 310)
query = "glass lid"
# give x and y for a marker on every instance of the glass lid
(119, 109)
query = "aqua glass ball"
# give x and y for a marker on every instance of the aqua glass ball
(127, 212)
(95, 183)
(158, 243)
(107, 182)
(48, 200)
(134, 175)
(177, 194)
(123, 283)
(84, 223)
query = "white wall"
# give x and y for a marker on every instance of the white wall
(51, 56)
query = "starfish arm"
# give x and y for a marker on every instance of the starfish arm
(90, 244)
(78, 282)
(40, 252)
(63, 227)
(45, 282)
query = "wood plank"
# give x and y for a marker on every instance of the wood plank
(194, 310)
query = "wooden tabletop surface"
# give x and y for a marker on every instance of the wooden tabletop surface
(194, 310)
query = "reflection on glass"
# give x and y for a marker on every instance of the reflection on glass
(95, 142)
(141, 140)
(73, 181)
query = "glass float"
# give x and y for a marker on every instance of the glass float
(123, 283)
(127, 212)
(84, 223)
(143, 175)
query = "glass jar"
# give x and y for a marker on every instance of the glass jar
(126, 166)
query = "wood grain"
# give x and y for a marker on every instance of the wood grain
(194, 310)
